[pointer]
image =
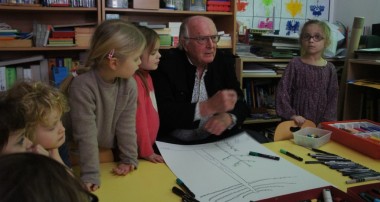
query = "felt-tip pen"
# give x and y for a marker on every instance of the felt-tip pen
(365, 179)
(264, 155)
(183, 186)
(291, 155)
(365, 196)
(327, 195)
(185, 197)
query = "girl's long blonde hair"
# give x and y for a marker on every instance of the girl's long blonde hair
(114, 36)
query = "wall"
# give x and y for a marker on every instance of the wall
(346, 10)
(287, 16)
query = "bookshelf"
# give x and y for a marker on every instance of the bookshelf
(362, 99)
(244, 76)
(224, 21)
(23, 17)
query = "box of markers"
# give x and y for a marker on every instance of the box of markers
(368, 192)
(360, 135)
(313, 195)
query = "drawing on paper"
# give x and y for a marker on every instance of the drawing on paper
(241, 5)
(292, 26)
(317, 9)
(294, 7)
(223, 171)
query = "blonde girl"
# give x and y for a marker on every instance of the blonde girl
(308, 88)
(103, 99)
(147, 120)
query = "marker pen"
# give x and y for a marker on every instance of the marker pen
(183, 186)
(362, 180)
(264, 155)
(323, 152)
(369, 197)
(327, 195)
(291, 155)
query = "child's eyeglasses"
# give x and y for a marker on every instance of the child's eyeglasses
(204, 39)
(316, 38)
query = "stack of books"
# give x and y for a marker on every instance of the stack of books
(368, 54)
(83, 35)
(274, 46)
(258, 69)
(61, 36)
(15, 38)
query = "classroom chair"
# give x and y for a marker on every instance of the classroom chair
(285, 129)
(105, 156)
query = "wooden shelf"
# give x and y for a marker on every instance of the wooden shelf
(355, 105)
(165, 12)
(45, 9)
(224, 21)
(79, 48)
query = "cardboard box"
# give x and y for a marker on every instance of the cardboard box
(344, 132)
(308, 195)
(195, 5)
(17, 43)
(146, 4)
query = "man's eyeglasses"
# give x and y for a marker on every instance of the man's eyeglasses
(204, 39)
(316, 38)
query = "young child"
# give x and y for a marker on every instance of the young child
(43, 107)
(308, 88)
(147, 120)
(34, 178)
(103, 99)
(12, 129)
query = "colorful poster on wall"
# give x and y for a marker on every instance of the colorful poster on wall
(286, 16)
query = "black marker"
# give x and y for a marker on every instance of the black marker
(184, 187)
(185, 197)
(321, 151)
(291, 155)
(264, 155)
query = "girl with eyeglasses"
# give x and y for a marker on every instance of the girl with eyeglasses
(308, 88)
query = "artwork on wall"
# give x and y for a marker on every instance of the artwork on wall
(286, 16)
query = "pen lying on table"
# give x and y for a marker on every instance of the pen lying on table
(291, 155)
(185, 197)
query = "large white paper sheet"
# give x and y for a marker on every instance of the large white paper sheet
(223, 171)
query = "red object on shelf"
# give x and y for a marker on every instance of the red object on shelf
(223, 6)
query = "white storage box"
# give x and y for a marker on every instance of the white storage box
(311, 137)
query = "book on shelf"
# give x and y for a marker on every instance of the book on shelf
(74, 25)
(258, 69)
(21, 60)
(368, 53)
(372, 83)
(3, 78)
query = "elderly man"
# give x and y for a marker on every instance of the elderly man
(198, 95)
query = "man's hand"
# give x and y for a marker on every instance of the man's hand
(218, 124)
(221, 102)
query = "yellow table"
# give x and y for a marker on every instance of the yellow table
(332, 176)
(153, 182)
(150, 182)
